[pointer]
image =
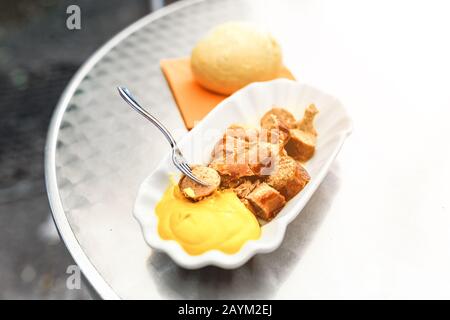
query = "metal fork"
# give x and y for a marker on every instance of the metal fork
(177, 157)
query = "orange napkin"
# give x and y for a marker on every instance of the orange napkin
(194, 102)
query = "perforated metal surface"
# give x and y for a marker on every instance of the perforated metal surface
(104, 149)
(371, 230)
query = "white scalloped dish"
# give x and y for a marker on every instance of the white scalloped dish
(246, 106)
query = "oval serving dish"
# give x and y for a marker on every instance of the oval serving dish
(246, 106)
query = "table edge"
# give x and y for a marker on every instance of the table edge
(103, 289)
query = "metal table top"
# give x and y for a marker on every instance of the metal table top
(377, 227)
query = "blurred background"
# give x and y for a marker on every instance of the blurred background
(38, 57)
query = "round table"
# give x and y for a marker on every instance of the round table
(377, 227)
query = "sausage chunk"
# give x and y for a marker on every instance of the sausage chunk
(246, 133)
(306, 124)
(289, 177)
(281, 114)
(302, 144)
(275, 130)
(245, 188)
(265, 202)
(195, 191)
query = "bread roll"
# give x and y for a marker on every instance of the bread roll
(233, 55)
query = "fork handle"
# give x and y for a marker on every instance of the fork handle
(128, 97)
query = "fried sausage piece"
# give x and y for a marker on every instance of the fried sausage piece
(262, 157)
(275, 130)
(306, 124)
(230, 182)
(195, 191)
(281, 114)
(302, 144)
(289, 177)
(245, 188)
(265, 202)
(239, 131)
(230, 158)
(230, 149)
(233, 171)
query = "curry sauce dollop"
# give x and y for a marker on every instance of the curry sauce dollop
(220, 221)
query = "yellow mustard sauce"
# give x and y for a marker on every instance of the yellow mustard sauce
(220, 221)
